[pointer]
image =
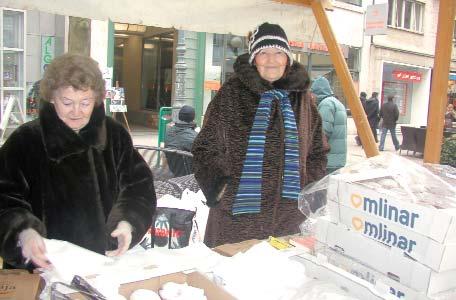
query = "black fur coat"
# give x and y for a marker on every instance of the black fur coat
(73, 187)
(219, 152)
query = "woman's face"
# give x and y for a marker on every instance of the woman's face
(271, 63)
(450, 107)
(74, 107)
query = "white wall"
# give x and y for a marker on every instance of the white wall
(99, 42)
(347, 23)
(420, 103)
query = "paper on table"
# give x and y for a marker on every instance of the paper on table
(69, 259)
(137, 264)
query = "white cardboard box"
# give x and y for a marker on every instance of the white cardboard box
(398, 208)
(439, 257)
(321, 269)
(374, 277)
(387, 260)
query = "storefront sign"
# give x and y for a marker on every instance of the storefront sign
(376, 19)
(318, 47)
(47, 51)
(297, 44)
(407, 75)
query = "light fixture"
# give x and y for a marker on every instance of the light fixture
(120, 26)
(130, 27)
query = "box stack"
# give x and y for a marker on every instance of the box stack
(392, 228)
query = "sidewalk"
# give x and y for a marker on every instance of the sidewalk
(149, 137)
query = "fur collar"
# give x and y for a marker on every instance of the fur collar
(297, 78)
(61, 141)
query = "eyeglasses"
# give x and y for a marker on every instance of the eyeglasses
(80, 285)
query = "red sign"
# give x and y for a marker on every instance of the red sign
(407, 75)
(318, 47)
(297, 44)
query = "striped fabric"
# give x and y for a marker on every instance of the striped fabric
(248, 198)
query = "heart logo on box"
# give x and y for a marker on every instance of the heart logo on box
(356, 200)
(357, 223)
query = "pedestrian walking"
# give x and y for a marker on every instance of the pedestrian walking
(334, 117)
(372, 110)
(390, 114)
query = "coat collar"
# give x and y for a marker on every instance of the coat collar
(297, 78)
(61, 141)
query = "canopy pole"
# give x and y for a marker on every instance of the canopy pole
(348, 87)
(438, 98)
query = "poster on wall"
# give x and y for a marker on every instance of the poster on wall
(399, 91)
(117, 96)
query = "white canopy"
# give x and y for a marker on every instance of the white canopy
(216, 16)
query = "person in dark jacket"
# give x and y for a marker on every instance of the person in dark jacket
(72, 174)
(372, 110)
(390, 114)
(260, 144)
(181, 137)
(362, 98)
(334, 117)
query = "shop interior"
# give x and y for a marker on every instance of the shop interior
(143, 64)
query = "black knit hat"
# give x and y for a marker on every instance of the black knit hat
(187, 114)
(269, 35)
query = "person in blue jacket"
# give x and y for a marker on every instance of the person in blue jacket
(334, 118)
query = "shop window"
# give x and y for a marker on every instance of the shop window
(12, 66)
(354, 2)
(406, 14)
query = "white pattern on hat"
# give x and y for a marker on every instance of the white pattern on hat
(268, 37)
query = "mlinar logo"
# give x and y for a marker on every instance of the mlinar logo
(381, 208)
(380, 231)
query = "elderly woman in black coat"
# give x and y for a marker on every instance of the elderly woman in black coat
(72, 174)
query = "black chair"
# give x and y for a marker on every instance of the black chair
(408, 139)
(420, 139)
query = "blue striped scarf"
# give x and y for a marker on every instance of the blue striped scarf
(248, 198)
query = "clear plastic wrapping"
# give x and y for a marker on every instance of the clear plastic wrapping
(389, 174)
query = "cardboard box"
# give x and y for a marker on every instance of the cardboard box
(385, 259)
(439, 257)
(394, 206)
(195, 279)
(19, 285)
(231, 249)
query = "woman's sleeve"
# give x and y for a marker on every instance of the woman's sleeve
(317, 156)
(210, 161)
(15, 209)
(136, 201)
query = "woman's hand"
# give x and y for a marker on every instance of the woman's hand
(33, 248)
(123, 235)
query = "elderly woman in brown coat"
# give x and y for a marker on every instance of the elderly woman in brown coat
(261, 143)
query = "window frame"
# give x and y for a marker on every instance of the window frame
(397, 15)
(353, 2)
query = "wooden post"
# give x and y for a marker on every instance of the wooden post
(364, 131)
(438, 98)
